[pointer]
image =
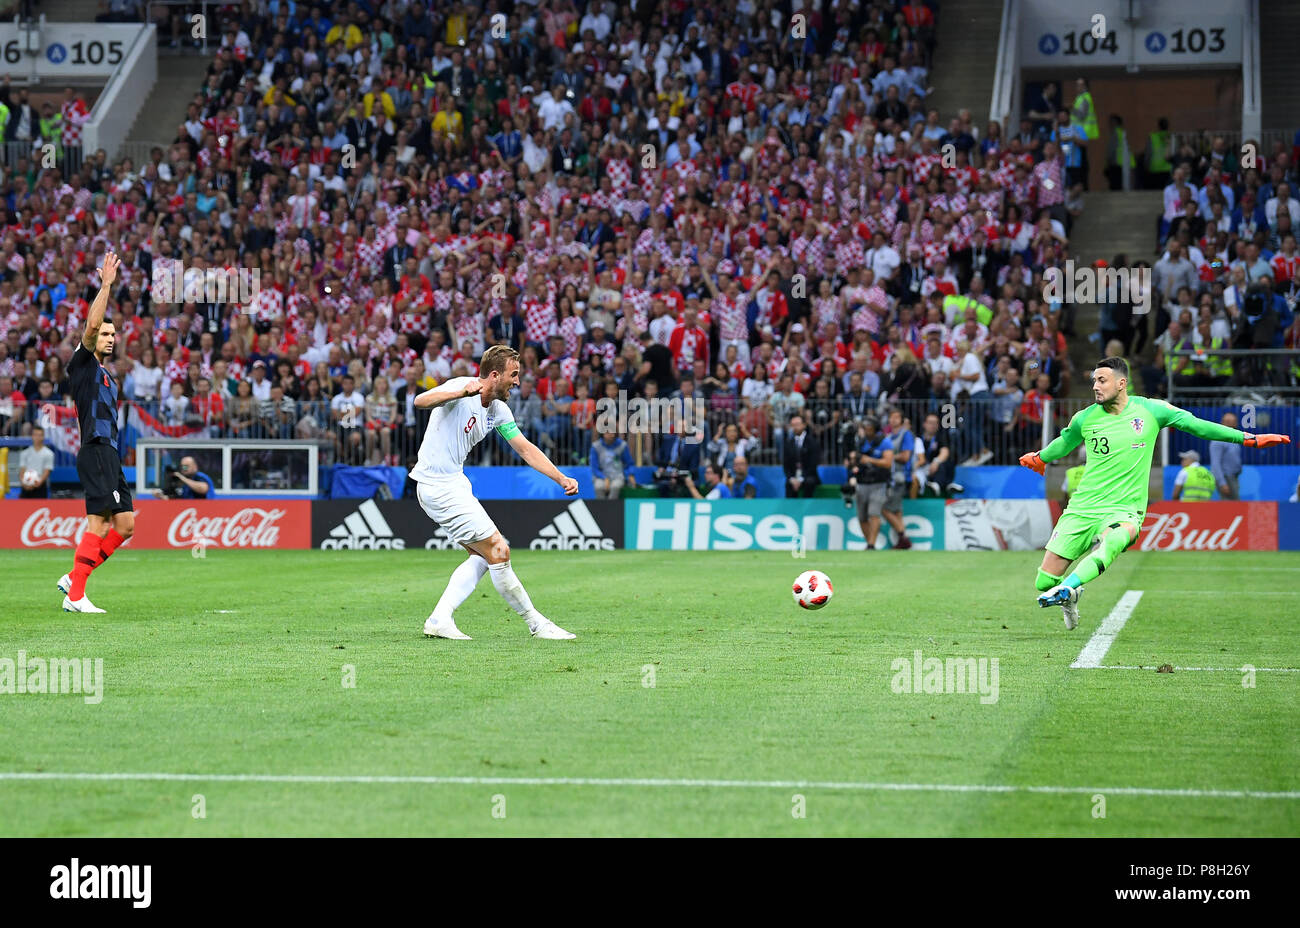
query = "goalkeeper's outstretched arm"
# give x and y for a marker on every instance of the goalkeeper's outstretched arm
(1184, 421)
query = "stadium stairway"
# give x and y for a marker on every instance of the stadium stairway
(965, 56)
(1113, 222)
(180, 76)
(69, 11)
(1279, 64)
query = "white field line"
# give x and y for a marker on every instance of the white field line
(1104, 636)
(654, 782)
(1225, 592)
(1205, 669)
(1201, 569)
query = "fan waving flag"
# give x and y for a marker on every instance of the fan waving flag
(146, 426)
(62, 432)
(465, 181)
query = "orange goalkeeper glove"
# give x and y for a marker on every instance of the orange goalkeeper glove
(1034, 462)
(1266, 441)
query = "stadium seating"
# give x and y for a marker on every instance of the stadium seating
(1226, 275)
(411, 183)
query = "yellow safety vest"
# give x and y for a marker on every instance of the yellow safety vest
(1200, 484)
(1157, 160)
(1219, 364)
(1172, 360)
(1083, 104)
(1073, 476)
(1119, 148)
(959, 304)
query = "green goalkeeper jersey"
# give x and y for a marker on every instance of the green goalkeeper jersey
(1120, 448)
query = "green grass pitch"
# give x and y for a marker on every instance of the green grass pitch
(234, 664)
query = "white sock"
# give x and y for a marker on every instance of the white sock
(463, 580)
(511, 590)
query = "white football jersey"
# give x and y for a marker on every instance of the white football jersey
(454, 429)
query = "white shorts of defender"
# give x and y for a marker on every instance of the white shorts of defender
(452, 505)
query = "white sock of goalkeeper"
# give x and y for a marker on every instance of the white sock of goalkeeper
(511, 590)
(463, 580)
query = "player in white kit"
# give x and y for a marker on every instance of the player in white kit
(465, 409)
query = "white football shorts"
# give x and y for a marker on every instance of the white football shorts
(452, 505)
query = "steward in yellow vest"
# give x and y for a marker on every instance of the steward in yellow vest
(1194, 483)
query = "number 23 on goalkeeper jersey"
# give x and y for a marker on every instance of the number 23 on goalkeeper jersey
(1120, 449)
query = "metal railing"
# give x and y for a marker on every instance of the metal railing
(981, 430)
(140, 153)
(68, 158)
(978, 431)
(1202, 140)
(1259, 373)
(154, 8)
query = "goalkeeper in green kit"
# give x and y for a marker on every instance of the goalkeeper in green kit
(1106, 511)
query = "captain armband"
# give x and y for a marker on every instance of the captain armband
(507, 430)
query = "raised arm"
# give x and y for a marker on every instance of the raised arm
(447, 392)
(95, 318)
(761, 279)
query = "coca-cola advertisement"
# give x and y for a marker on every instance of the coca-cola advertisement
(1209, 526)
(211, 525)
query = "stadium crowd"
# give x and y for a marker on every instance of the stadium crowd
(1226, 277)
(666, 201)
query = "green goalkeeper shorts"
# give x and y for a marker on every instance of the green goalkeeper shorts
(1075, 533)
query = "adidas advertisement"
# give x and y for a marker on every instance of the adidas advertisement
(539, 525)
(362, 529)
(574, 528)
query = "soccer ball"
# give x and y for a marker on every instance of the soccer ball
(812, 589)
(29, 479)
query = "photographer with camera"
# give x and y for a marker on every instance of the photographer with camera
(870, 478)
(677, 456)
(715, 485)
(186, 483)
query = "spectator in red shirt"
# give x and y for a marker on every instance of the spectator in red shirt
(1029, 417)
(206, 405)
(688, 341)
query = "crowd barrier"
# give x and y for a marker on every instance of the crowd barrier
(640, 524)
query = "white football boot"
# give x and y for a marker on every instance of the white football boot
(435, 627)
(542, 627)
(82, 605)
(65, 584)
(1068, 599)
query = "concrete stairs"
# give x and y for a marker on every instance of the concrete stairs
(965, 57)
(180, 77)
(1279, 64)
(69, 11)
(1113, 222)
